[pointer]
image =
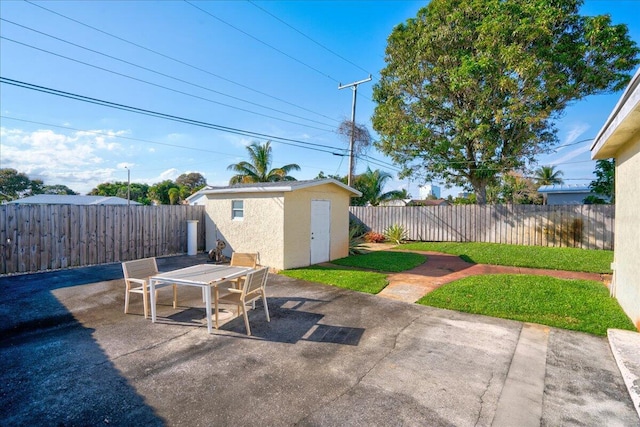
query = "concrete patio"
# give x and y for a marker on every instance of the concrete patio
(330, 357)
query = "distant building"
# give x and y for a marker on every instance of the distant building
(429, 202)
(428, 190)
(64, 199)
(565, 194)
(413, 202)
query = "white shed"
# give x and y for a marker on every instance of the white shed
(289, 223)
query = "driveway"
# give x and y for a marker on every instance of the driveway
(330, 357)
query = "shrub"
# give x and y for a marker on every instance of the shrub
(356, 227)
(355, 243)
(395, 233)
(373, 237)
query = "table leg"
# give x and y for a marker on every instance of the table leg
(207, 297)
(152, 289)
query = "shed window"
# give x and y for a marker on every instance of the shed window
(237, 209)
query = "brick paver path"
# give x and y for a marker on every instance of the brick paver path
(411, 285)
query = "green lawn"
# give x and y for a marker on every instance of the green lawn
(387, 261)
(361, 281)
(570, 259)
(579, 305)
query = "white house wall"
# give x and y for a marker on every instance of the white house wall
(627, 243)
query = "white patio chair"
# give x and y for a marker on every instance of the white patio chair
(136, 279)
(253, 288)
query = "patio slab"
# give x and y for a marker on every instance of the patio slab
(329, 357)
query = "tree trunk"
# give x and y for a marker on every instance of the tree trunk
(480, 188)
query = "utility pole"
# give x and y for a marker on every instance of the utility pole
(354, 87)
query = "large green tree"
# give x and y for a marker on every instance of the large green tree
(138, 192)
(192, 182)
(163, 194)
(472, 87)
(14, 185)
(257, 169)
(604, 184)
(57, 189)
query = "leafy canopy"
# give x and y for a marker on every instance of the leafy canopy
(257, 168)
(471, 87)
(16, 185)
(548, 175)
(604, 184)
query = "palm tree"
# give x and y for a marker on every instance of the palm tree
(370, 184)
(548, 175)
(257, 169)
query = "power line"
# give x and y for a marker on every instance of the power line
(261, 41)
(177, 60)
(95, 132)
(158, 85)
(573, 143)
(308, 37)
(150, 70)
(151, 113)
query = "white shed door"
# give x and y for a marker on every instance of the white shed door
(320, 230)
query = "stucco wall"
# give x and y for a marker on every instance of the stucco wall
(627, 243)
(261, 230)
(297, 219)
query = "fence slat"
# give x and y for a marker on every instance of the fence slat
(588, 226)
(43, 237)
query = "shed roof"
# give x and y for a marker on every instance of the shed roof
(622, 124)
(67, 199)
(274, 187)
(564, 188)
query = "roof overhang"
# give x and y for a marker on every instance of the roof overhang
(623, 123)
(283, 187)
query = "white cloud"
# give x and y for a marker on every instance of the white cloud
(171, 174)
(73, 160)
(574, 133)
(570, 155)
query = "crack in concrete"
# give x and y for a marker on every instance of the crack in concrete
(149, 347)
(362, 377)
(482, 398)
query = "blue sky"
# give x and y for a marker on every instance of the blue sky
(268, 67)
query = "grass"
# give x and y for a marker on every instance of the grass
(387, 261)
(361, 281)
(570, 259)
(578, 305)
(370, 282)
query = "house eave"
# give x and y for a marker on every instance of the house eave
(622, 125)
(286, 186)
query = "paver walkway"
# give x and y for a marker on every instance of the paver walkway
(440, 269)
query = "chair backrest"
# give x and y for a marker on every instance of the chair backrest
(140, 268)
(243, 260)
(256, 280)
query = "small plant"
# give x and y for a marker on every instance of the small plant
(395, 233)
(355, 242)
(373, 237)
(356, 226)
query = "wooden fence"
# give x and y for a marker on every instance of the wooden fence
(580, 226)
(45, 237)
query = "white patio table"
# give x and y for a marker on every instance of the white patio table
(204, 276)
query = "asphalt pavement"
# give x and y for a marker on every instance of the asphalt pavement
(329, 357)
